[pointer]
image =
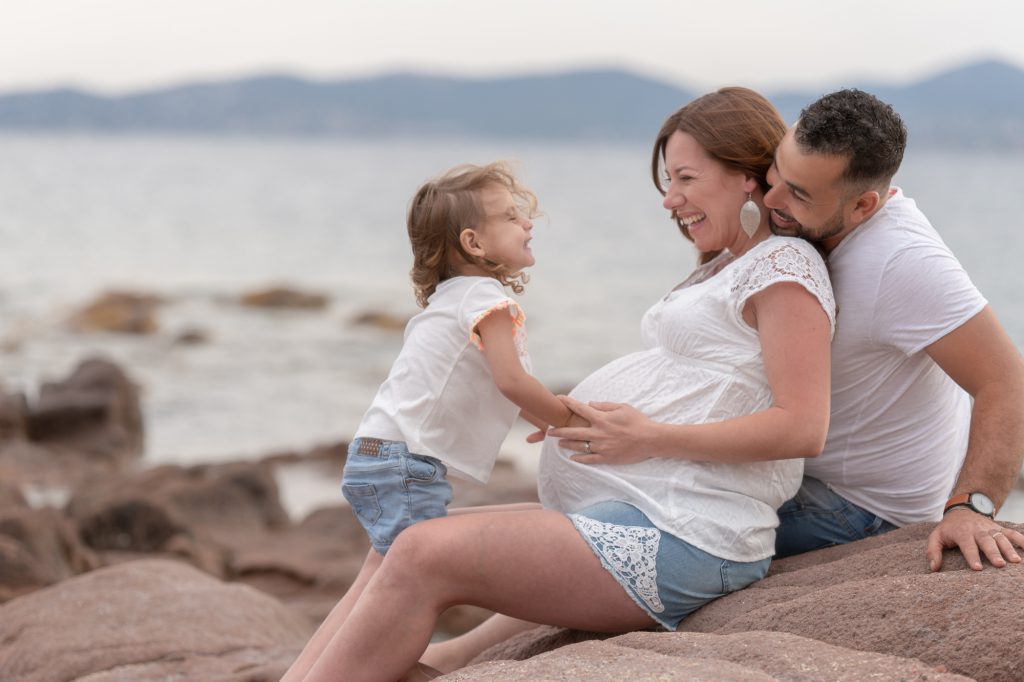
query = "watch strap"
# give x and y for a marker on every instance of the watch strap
(962, 500)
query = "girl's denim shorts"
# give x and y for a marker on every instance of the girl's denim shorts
(667, 577)
(390, 488)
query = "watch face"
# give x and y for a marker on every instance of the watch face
(982, 504)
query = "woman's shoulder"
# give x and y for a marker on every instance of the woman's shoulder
(776, 244)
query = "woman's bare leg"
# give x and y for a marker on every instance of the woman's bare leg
(457, 652)
(335, 619)
(531, 565)
(339, 613)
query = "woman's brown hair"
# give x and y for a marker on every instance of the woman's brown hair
(442, 208)
(736, 126)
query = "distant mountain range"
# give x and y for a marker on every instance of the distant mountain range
(979, 105)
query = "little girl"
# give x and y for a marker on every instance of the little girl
(462, 376)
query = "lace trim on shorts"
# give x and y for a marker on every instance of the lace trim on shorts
(630, 552)
(518, 320)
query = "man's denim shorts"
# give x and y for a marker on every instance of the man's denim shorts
(667, 577)
(390, 488)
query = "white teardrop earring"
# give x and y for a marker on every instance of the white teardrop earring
(750, 216)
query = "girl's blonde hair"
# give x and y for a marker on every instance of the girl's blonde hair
(444, 207)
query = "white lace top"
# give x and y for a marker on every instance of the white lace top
(702, 364)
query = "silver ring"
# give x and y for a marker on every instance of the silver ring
(996, 533)
(586, 447)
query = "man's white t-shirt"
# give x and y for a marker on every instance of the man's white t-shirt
(440, 397)
(899, 425)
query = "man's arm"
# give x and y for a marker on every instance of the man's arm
(981, 358)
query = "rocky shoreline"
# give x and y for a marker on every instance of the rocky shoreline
(112, 571)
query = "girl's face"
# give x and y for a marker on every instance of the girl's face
(504, 237)
(705, 195)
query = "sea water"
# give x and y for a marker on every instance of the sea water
(199, 221)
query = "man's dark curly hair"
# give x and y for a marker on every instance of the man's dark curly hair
(858, 126)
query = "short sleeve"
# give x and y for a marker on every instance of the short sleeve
(483, 299)
(924, 293)
(787, 260)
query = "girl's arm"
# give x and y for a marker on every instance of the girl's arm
(795, 345)
(536, 421)
(497, 334)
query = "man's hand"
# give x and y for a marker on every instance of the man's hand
(974, 534)
(613, 433)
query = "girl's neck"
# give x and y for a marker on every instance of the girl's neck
(470, 270)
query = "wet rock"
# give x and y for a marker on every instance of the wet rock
(11, 496)
(285, 297)
(202, 514)
(39, 547)
(121, 312)
(13, 409)
(96, 410)
(308, 566)
(148, 620)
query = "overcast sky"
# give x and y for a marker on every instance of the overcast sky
(124, 45)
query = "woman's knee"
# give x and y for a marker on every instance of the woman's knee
(415, 556)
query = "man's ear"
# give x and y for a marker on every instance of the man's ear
(470, 242)
(865, 207)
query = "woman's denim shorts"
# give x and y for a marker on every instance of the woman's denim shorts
(667, 577)
(390, 488)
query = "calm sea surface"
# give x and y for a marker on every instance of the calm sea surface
(201, 220)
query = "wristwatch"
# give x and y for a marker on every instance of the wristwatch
(979, 502)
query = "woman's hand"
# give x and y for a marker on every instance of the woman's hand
(615, 433)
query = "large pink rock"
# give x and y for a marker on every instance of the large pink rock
(746, 657)
(148, 620)
(876, 595)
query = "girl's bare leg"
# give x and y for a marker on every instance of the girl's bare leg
(531, 565)
(457, 652)
(335, 619)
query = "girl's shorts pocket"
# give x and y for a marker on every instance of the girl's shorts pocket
(363, 498)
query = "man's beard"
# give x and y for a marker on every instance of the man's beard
(831, 227)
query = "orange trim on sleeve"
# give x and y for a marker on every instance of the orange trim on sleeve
(514, 310)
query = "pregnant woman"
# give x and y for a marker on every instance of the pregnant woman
(735, 377)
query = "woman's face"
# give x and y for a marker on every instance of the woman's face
(704, 195)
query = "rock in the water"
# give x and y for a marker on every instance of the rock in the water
(148, 620)
(119, 311)
(96, 409)
(284, 297)
(380, 320)
(746, 657)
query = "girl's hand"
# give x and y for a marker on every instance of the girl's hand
(616, 433)
(574, 420)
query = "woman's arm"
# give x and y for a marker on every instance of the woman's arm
(795, 339)
(498, 336)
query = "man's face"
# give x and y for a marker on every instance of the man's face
(807, 198)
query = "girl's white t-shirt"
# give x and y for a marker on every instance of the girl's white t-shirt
(440, 397)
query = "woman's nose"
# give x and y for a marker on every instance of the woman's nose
(672, 200)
